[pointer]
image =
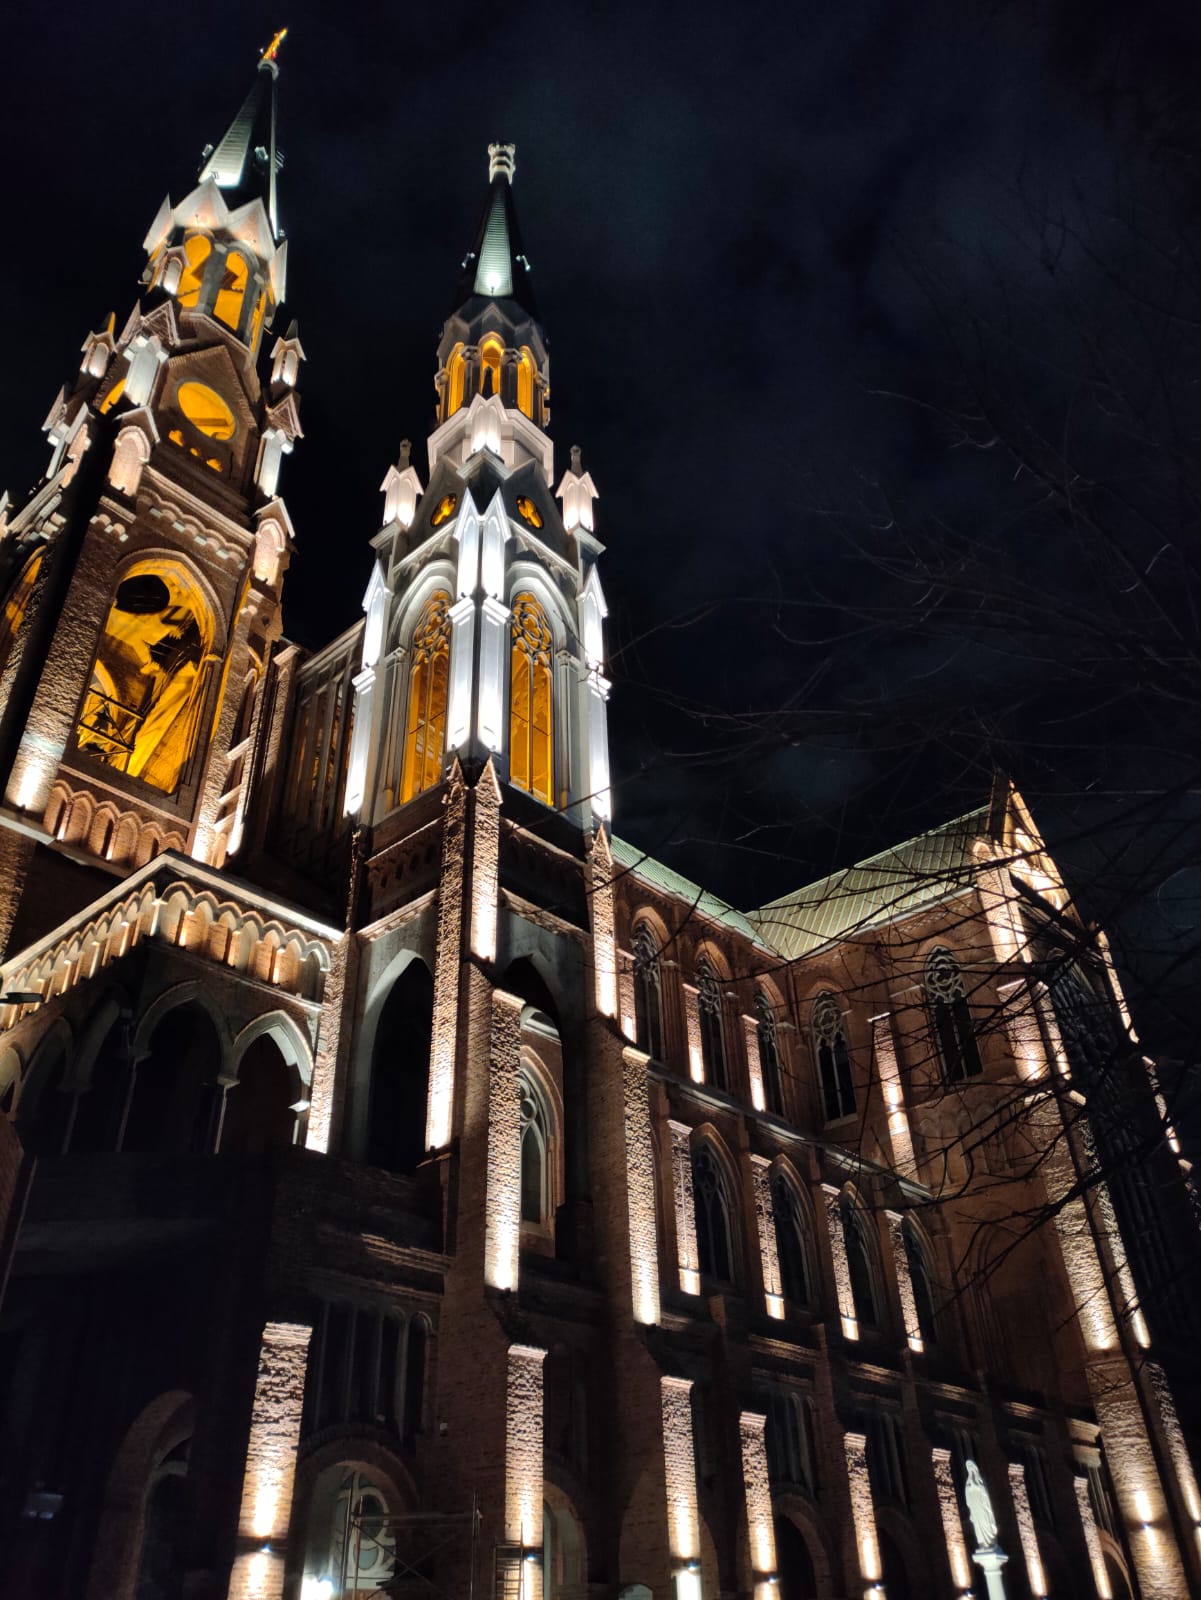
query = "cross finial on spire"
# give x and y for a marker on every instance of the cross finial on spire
(502, 159)
(271, 53)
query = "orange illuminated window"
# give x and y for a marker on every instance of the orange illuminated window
(525, 382)
(456, 370)
(256, 320)
(444, 509)
(142, 711)
(113, 395)
(425, 726)
(529, 511)
(232, 290)
(197, 248)
(205, 409)
(530, 742)
(492, 355)
(16, 604)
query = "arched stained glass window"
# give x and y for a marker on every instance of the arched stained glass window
(492, 355)
(951, 1017)
(197, 248)
(530, 740)
(711, 1209)
(769, 1051)
(791, 1252)
(429, 677)
(648, 996)
(833, 1058)
(710, 1008)
(231, 291)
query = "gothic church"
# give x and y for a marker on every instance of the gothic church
(408, 1187)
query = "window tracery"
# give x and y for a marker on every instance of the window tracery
(536, 1189)
(711, 1209)
(951, 1017)
(833, 1057)
(648, 998)
(429, 678)
(530, 739)
(711, 1011)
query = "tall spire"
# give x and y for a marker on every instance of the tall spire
(247, 159)
(496, 266)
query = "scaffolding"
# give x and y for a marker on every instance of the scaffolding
(398, 1555)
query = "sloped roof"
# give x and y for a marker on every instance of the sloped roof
(652, 872)
(245, 161)
(906, 878)
(496, 266)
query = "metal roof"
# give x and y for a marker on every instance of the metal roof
(654, 873)
(933, 867)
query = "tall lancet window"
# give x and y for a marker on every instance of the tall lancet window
(951, 1017)
(231, 291)
(429, 674)
(833, 1059)
(531, 765)
(712, 1019)
(648, 999)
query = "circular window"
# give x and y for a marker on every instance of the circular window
(529, 511)
(205, 409)
(445, 508)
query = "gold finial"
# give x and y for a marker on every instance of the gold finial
(272, 50)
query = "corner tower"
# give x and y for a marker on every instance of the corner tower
(144, 573)
(485, 610)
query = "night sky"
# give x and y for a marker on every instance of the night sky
(822, 285)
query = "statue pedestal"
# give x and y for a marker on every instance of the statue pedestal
(990, 1562)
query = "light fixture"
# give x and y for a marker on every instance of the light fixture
(20, 997)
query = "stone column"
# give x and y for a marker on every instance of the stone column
(258, 1569)
(681, 1173)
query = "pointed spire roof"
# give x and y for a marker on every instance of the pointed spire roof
(496, 265)
(246, 161)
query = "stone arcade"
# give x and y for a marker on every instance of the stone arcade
(410, 1187)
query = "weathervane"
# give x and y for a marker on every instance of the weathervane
(272, 50)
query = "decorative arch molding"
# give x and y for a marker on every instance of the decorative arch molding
(161, 1425)
(181, 994)
(793, 1506)
(898, 1526)
(525, 576)
(72, 816)
(289, 1038)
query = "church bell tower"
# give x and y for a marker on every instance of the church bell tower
(144, 573)
(483, 641)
